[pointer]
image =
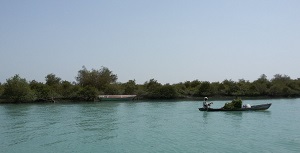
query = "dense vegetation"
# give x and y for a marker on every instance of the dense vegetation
(236, 103)
(91, 83)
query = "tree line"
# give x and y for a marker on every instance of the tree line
(91, 83)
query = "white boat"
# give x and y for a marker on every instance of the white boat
(116, 97)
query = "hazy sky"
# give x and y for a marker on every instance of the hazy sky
(171, 41)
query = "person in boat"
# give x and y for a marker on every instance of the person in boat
(206, 104)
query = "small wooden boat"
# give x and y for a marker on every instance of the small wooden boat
(116, 97)
(253, 108)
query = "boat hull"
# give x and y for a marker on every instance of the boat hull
(253, 108)
(116, 97)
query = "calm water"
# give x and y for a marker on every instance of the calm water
(141, 127)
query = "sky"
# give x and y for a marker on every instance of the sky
(170, 41)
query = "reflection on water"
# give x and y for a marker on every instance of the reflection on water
(98, 121)
(16, 110)
(205, 117)
(14, 120)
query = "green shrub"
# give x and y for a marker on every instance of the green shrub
(17, 89)
(228, 106)
(236, 103)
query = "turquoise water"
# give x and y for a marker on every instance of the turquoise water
(148, 127)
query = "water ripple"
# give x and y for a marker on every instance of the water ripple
(146, 127)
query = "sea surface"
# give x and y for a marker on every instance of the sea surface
(148, 127)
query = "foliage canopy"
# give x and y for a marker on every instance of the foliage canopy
(17, 89)
(99, 79)
(91, 83)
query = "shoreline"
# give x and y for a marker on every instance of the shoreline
(59, 100)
